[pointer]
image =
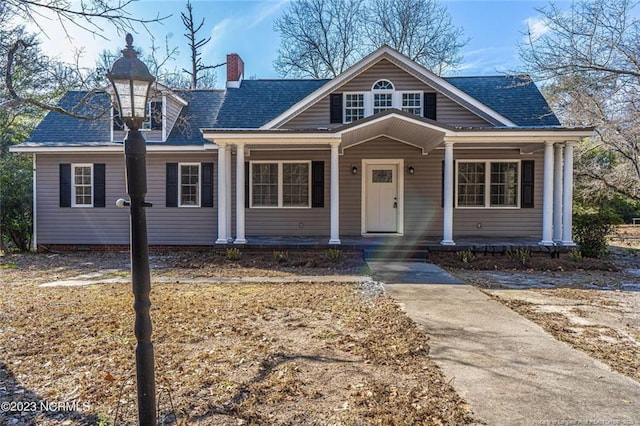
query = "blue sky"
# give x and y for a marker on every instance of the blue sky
(246, 27)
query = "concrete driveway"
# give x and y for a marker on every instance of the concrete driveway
(508, 368)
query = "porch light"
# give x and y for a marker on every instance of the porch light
(354, 170)
(131, 81)
(411, 170)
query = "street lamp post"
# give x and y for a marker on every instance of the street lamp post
(131, 81)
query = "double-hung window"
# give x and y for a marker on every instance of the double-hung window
(412, 102)
(382, 96)
(189, 185)
(82, 188)
(353, 107)
(487, 184)
(281, 184)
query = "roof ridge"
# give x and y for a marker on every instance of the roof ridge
(286, 79)
(490, 76)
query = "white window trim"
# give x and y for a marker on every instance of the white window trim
(368, 96)
(366, 100)
(487, 185)
(392, 92)
(280, 182)
(408, 92)
(73, 184)
(198, 187)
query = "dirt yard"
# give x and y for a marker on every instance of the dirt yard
(226, 354)
(592, 305)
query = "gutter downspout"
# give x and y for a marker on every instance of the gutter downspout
(34, 215)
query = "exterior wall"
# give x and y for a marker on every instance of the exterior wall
(495, 222)
(448, 111)
(110, 225)
(422, 190)
(290, 221)
(198, 226)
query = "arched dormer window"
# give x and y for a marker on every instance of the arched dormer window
(382, 85)
(382, 95)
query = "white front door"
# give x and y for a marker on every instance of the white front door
(382, 198)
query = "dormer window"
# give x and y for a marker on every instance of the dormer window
(154, 113)
(154, 121)
(382, 95)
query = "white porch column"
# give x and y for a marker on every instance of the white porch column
(222, 194)
(240, 238)
(547, 201)
(447, 223)
(228, 196)
(567, 200)
(335, 195)
(557, 194)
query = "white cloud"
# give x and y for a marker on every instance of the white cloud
(536, 26)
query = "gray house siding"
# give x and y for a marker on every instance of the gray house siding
(313, 221)
(110, 225)
(448, 111)
(423, 213)
(422, 190)
(522, 222)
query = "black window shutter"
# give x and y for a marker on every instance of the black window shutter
(526, 188)
(99, 185)
(454, 185)
(172, 185)
(206, 185)
(65, 185)
(246, 184)
(156, 115)
(430, 105)
(317, 184)
(335, 101)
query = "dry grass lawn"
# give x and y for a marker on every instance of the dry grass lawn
(232, 353)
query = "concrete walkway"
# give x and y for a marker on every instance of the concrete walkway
(508, 368)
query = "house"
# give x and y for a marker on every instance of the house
(386, 148)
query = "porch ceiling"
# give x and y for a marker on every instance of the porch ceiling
(414, 133)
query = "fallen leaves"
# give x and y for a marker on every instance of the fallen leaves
(224, 353)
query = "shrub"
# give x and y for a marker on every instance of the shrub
(16, 201)
(465, 256)
(575, 255)
(521, 255)
(590, 231)
(233, 253)
(280, 256)
(334, 255)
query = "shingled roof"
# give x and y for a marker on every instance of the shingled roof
(201, 111)
(256, 102)
(514, 96)
(63, 130)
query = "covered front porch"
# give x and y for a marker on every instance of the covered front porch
(428, 160)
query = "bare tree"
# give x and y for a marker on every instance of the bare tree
(49, 78)
(589, 61)
(420, 29)
(199, 73)
(319, 38)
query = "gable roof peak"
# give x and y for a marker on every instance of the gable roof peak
(405, 63)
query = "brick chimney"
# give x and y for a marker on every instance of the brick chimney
(235, 70)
